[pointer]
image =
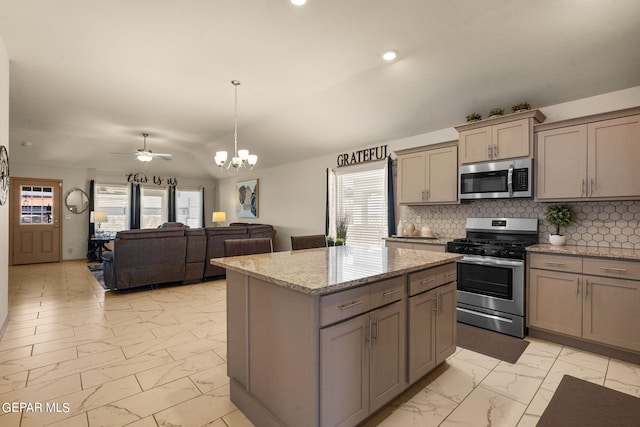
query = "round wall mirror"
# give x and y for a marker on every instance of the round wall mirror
(77, 201)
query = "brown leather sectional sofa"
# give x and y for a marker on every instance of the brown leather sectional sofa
(173, 253)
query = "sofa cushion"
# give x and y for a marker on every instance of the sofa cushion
(149, 233)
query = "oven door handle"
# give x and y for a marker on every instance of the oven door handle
(491, 263)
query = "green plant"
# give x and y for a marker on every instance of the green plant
(521, 106)
(496, 112)
(473, 116)
(560, 216)
(342, 225)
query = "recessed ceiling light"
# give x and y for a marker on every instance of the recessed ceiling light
(390, 55)
(298, 2)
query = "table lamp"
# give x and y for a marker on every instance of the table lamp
(98, 217)
(218, 217)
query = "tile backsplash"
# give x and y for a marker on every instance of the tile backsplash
(603, 224)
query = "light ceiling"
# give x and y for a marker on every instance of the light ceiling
(89, 77)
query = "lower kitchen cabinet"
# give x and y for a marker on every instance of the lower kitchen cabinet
(432, 329)
(601, 309)
(362, 364)
(555, 301)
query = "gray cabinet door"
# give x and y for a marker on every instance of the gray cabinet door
(344, 372)
(446, 322)
(422, 352)
(388, 354)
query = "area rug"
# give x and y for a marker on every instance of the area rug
(489, 343)
(97, 272)
(580, 403)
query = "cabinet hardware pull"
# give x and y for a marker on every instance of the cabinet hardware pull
(489, 150)
(348, 306)
(593, 186)
(425, 281)
(391, 292)
(554, 263)
(582, 192)
(495, 149)
(367, 335)
(578, 287)
(586, 291)
(617, 270)
(374, 335)
(451, 273)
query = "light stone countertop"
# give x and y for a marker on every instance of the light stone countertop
(326, 270)
(589, 251)
(423, 240)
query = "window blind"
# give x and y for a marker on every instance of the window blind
(189, 207)
(114, 200)
(153, 207)
(361, 198)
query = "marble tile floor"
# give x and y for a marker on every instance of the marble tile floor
(92, 357)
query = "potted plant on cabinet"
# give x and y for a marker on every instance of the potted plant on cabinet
(558, 216)
(495, 112)
(474, 117)
(523, 106)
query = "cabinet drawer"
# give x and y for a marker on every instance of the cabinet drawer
(431, 278)
(343, 305)
(387, 291)
(612, 268)
(556, 262)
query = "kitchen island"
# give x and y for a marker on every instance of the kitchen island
(328, 336)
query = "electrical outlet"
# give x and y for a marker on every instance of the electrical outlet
(418, 219)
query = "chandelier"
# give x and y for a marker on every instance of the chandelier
(242, 158)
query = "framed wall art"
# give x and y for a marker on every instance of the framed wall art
(247, 199)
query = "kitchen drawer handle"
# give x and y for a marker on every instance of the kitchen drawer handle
(391, 292)
(617, 270)
(348, 306)
(425, 281)
(559, 264)
(451, 273)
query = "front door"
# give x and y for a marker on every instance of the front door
(35, 220)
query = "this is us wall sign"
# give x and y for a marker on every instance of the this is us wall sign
(362, 156)
(140, 178)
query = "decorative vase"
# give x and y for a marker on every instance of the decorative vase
(400, 230)
(557, 239)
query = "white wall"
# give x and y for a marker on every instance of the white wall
(4, 209)
(292, 197)
(75, 226)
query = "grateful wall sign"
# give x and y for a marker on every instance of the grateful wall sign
(362, 156)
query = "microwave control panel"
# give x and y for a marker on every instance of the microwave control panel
(521, 179)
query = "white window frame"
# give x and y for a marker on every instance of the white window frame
(149, 216)
(191, 220)
(113, 210)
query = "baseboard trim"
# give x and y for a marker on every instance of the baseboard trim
(617, 353)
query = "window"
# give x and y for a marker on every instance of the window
(36, 205)
(360, 198)
(189, 207)
(113, 199)
(153, 207)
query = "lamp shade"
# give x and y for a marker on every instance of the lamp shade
(219, 216)
(98, 216)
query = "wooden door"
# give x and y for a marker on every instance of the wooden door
(446, 322)
(555, 301)
(411, 177)
(442, 175)
(612, 311)
(562, 163)
(388, 355)
(511, 140)
(475, 145)
(36, 223)
(422, 329)
(614, 150)
(344, 372)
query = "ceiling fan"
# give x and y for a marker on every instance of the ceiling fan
(145, 155)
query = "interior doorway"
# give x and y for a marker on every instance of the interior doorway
(35, 233)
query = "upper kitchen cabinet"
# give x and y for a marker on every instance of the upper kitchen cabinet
(428, 175)
(504, 137)
(592, 158)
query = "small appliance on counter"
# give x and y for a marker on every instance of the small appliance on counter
(491, 275)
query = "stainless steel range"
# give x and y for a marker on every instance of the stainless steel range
(491, 275)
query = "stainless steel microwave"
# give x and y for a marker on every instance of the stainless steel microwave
(496, 180)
